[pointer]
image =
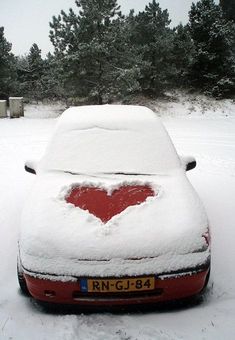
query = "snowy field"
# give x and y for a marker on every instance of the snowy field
(211, 139)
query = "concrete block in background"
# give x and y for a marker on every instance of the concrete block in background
(16, 105)
(3, 108)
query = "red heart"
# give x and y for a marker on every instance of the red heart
(104, 206)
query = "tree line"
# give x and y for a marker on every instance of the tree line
(101, 55)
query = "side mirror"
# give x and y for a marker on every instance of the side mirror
(31, 167)
(188, 162)
(191, 165)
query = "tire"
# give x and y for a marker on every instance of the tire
(21, 280)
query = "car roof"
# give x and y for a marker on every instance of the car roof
(107, 116)
(110, 139)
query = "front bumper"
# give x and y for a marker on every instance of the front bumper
(168, 287)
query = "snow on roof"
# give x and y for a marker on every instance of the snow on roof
(110, 139)
(106, 116)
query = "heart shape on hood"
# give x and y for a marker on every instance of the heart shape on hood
(103, 205)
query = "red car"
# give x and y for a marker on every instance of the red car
(112, 218)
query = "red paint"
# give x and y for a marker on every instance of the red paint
(104, 206)
(176, 287)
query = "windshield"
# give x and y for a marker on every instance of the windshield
(142, 150)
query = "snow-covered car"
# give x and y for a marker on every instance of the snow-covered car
(112, 218)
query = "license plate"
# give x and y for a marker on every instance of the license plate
(119, 285)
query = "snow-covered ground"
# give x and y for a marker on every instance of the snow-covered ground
(211, 139)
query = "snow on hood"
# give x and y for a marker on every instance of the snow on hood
(171, 223)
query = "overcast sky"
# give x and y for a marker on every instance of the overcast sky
(27, 21)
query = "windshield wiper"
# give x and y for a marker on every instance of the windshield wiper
(107, 173)
(127, 174)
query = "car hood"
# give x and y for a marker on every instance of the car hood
(172, 222)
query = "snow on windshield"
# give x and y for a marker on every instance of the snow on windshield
(110, 139)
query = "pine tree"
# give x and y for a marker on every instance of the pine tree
(50, 79)
(90, 46)
(182, 54)
(7, 69)
(153, 40)
(30, 69)
(228, 7)
(213, 69)
(35, 63)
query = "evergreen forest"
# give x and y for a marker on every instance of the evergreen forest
(101, 55)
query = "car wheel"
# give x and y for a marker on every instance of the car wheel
(21, 279)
